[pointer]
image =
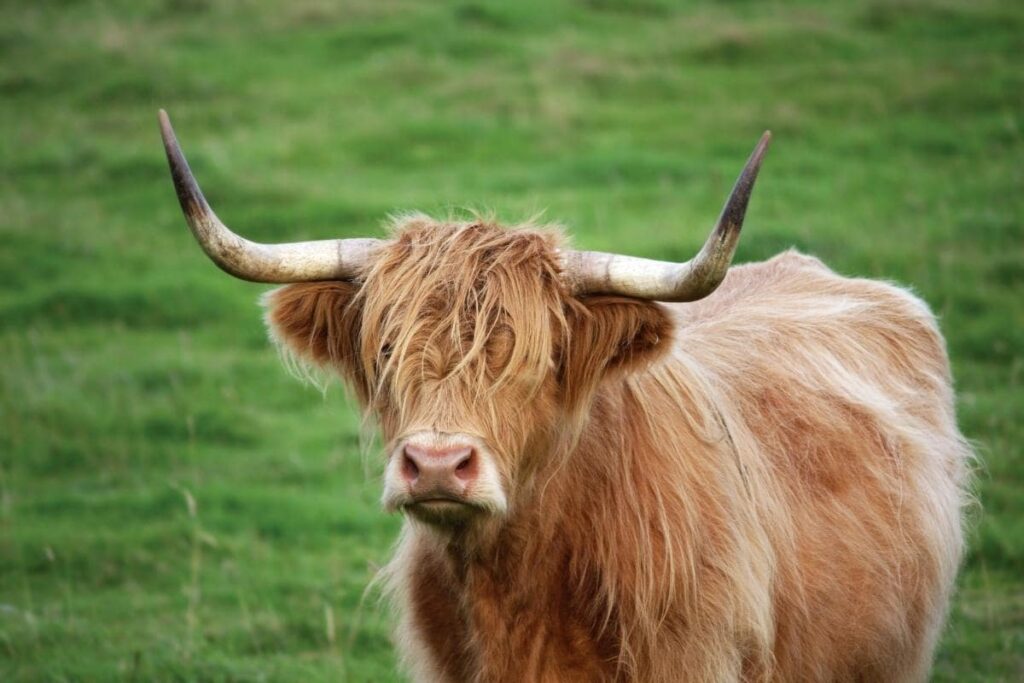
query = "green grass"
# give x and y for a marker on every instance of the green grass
(174, 506)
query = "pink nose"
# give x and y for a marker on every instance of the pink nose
(445, 471)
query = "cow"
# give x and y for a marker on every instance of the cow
(620, 469)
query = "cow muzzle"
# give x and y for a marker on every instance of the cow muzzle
(443, 479)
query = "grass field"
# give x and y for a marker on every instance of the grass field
(173, 506)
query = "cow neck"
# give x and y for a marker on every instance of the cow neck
(534, 583)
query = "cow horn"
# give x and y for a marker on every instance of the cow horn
(592, 272)
(292, 262)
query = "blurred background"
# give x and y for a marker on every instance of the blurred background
(173, 505)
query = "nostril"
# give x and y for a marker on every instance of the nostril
(410, 471)
(465, 469)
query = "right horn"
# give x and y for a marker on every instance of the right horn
(593, 272)
(279, 263)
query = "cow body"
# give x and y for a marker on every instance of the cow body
(775, 495)
(779, 498)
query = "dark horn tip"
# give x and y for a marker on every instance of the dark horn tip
(731, 220)
(165, 120)
(193, 204)
(749, 173)
(762, 145)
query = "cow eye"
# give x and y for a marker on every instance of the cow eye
(383, 355)
(377, 365)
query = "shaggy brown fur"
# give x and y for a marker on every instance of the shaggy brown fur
(763, 485)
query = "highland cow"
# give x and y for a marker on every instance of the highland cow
(618, 469)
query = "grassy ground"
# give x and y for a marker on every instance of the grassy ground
(174, 506)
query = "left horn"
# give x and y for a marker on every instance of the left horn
(592, 272)
(279, 263)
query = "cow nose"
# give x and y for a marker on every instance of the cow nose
(449, 469)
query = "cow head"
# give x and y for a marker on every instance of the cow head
(477, 349)
(471, 352)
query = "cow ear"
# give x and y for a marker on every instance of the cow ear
(609, 335)
(316, 321)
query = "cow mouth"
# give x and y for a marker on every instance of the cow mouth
(442, 510)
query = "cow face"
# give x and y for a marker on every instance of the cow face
(464, 344)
